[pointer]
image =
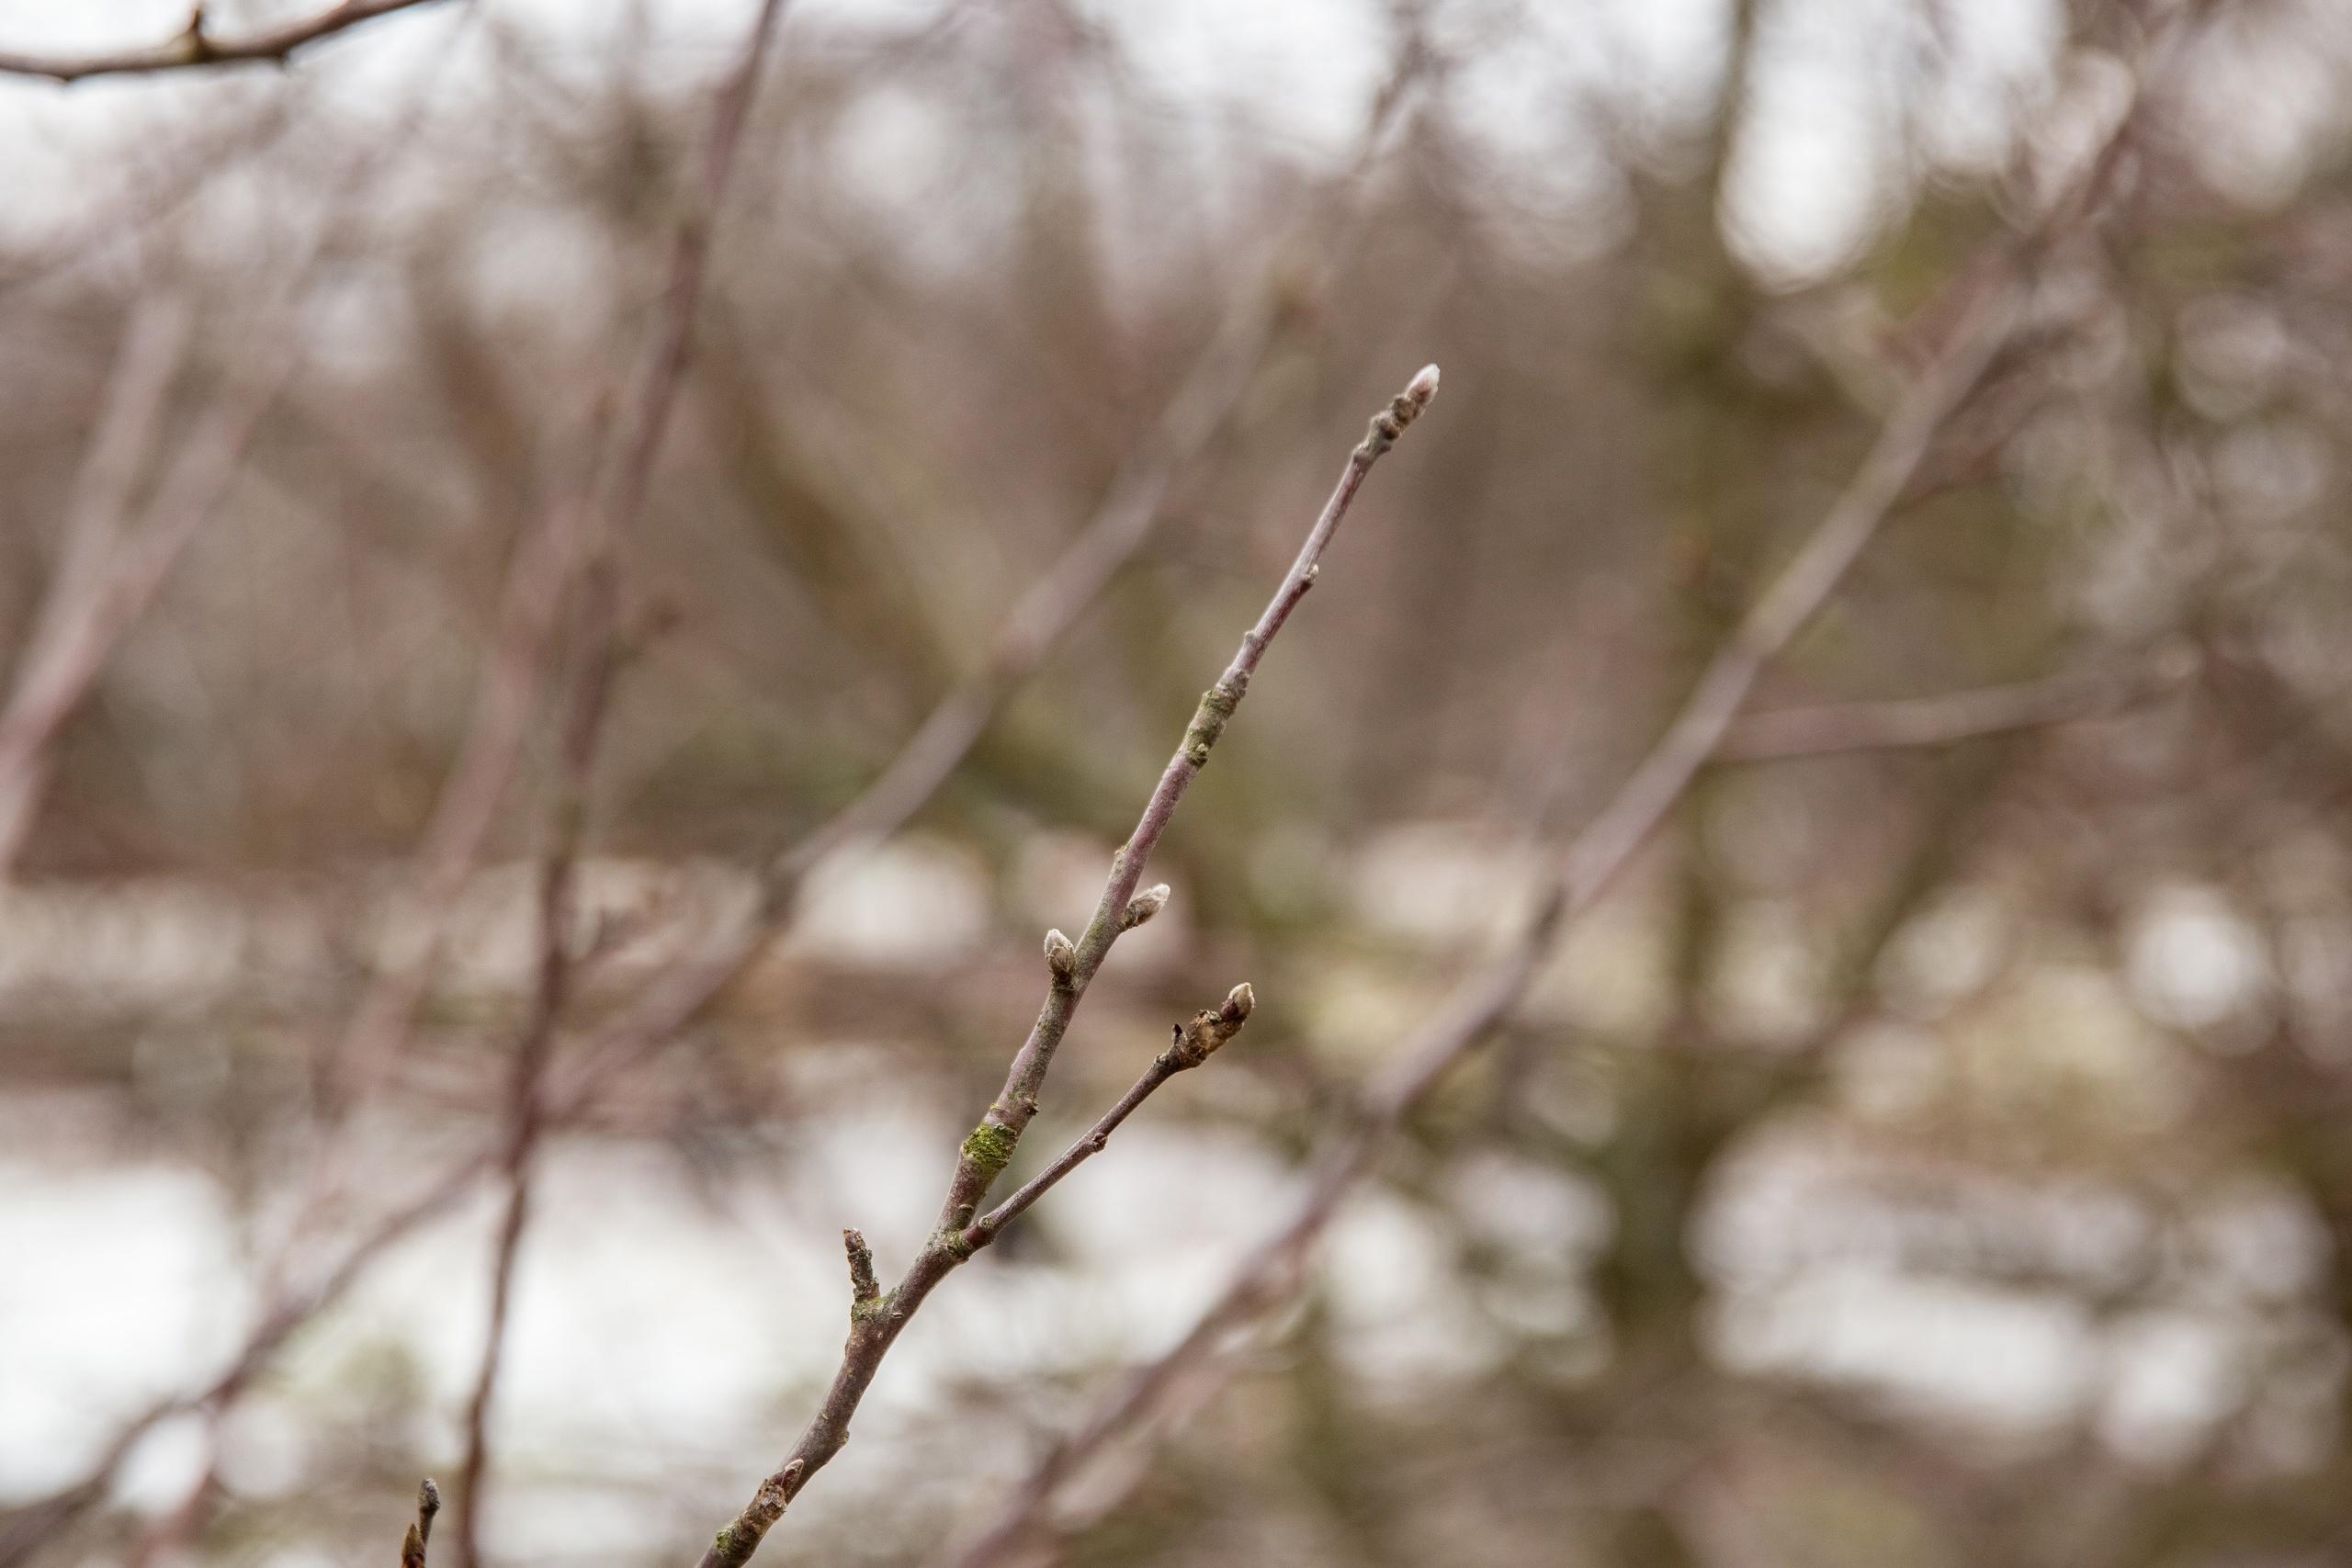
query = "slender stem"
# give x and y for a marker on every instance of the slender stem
(876, 1325)
(1270, 1271)
(1193, 1044)
(193, 47)
(590, 700)
(1947, 718)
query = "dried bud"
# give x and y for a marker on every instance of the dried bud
(1198, 1040)
(1143, 906)
(1060, 956)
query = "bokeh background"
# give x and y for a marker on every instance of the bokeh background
(1924, 1156)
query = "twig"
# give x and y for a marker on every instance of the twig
(584, 723)
(652, 398)
(876, 1325)
(1599, 852)
(1949, 719)
(1703, 726)
(193, 46)
(428, 1503)
(462, 812)
(152, 347)
(109, 598)
(1193, 1044)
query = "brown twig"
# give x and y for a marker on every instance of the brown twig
(482, 773)
(462, 812)
(119, 449)
(1946, 720)
(1194, 1044)
(104, 598)
(1269, 1272)
(652, 400)
(875, 1326)
(193, 46)
(584, 723)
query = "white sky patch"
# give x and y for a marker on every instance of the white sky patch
(910, 903)
(123, 1282)
(2006, 1358)
(2193, 959)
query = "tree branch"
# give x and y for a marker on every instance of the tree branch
(1954, 717)
(193, 46)
(590, 701)
(876, 1325)
(99, 604)
(1194, 1044)
(459, 820)
(1270, 1271)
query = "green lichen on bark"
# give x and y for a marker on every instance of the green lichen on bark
(990, 1148)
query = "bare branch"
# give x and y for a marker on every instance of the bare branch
(193, 46)
(590, 701)
(462, 812)
(1195, 1042)
(106, 598)
(460, 819)
(120, 448)
(1954, 717)
(991, 1143)
(652, 398)
(1270, 1271)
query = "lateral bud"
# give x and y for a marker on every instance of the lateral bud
(1143, 906)
(1061, 956)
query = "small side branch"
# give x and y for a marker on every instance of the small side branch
(1194, 1044)
(1953, 717)
(194, 46)
(1270, 1271)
